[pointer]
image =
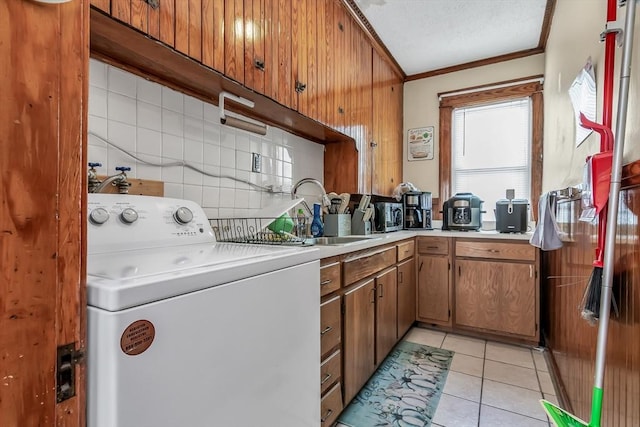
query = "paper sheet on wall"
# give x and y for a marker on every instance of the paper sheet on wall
(583, 98)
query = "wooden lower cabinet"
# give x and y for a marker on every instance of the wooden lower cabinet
(330, 321)
(330, 371)
(330, 339)
(330, 406)
(497, 296)
(497, 288)
(434, 289)
(386, 312)
(358, 337)
(406, 296)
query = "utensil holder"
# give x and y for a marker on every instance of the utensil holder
(337, 225)
(358, 226)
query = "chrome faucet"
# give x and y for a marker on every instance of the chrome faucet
(325, 198)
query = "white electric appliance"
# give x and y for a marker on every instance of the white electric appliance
(184, 331)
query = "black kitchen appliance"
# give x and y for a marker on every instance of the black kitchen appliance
(511, 215)
(388, 216)
(463, 212)
(417, 210)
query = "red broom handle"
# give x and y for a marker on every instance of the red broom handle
(609, 64)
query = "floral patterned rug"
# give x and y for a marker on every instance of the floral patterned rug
(404, 391)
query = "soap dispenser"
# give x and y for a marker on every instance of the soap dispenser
(317, 229)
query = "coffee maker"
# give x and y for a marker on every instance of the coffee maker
(417, 210)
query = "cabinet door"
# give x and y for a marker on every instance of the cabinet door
(188, 14)
(104, 5)
(433, 289)
(406, 296)
(278, 48)
(233, 40)
(359, 337)
(213, 34)
(496, 296)
(386, 312)
(254, 45)
(387, 127)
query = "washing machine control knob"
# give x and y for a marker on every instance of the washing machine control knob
(129, 216)
(98, 216)
(183, 215)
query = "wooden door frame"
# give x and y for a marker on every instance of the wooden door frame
(43, 107)
(495, 92)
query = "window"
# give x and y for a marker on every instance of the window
(491, 151)
(490, 140)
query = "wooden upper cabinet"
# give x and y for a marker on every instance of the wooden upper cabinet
(213, 34)
(255, 28)
(103, 5)
(234, 40)
(159, 21)
(387, 127)
(304, 57)
(341, 39)
(278, 73)
(188, 16)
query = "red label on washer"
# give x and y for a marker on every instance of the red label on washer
(137, 337)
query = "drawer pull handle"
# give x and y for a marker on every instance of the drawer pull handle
(432, 247)
(326, 417)
(325, 330)
(325, 282)
(493, 251)
(381, 290)
(421, 264)
(401, 279)
(325, 379)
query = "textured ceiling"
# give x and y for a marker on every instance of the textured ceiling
(427, 35)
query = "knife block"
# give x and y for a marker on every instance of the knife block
(337, 225)
(358, 226)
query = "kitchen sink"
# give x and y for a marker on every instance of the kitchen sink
(342, 240)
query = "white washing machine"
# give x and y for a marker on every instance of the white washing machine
(187, 332)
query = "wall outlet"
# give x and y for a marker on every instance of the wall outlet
(256, 162)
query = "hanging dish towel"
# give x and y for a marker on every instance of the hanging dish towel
(546, 235)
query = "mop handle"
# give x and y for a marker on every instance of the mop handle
(612, 220)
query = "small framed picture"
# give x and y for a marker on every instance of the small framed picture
(420, 143)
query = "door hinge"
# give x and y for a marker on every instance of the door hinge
(67, 358)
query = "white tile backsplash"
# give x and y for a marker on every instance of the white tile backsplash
(150, 92)
(161, 125)
(120, 81)
(172, 100)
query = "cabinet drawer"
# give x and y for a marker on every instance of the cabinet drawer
(329, 278)
(496, 250)
(331, 406)
(329, 325)
(330, 371)
(366, 264)
(405, 250)
(433, 245)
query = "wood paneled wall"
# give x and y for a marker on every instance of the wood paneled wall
(571, 339)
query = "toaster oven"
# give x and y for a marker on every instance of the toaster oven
(389, 216)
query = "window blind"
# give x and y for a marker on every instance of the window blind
(491, 151)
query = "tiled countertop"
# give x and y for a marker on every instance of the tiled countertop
(384, 238)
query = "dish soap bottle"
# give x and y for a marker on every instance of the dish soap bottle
(301, 224)
(317, 229)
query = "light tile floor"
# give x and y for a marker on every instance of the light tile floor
(489, 383)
